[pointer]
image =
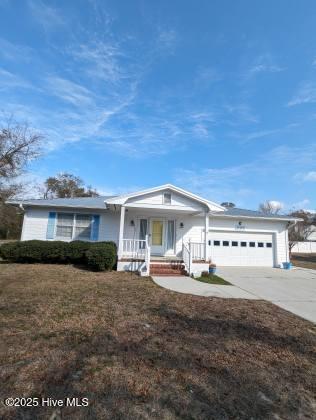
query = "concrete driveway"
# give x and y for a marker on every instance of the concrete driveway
(293, 290)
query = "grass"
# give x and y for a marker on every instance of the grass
(213, 279)
(304, 260)
(138, 351)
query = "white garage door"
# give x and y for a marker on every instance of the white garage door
(241, 249)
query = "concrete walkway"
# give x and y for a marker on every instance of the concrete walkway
(183, 284)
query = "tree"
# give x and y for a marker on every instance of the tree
(302, 229)
(18, 146)
(65, 185)
(270, 207)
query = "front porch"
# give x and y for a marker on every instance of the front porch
(149, 235)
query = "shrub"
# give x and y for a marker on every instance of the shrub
(101, 256)
(9, 251)
(76, 250)
(98, 256)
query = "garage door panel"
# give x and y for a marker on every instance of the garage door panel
(238, 255)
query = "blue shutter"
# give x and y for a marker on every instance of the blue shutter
(95, 227)
(51, 225)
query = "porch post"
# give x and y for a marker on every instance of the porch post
(206, 235)
(121, 232)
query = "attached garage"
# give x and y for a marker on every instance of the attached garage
(242, 248)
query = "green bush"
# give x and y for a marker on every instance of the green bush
(9, 251)
(76, 251)
(101, 256)
(98, 256)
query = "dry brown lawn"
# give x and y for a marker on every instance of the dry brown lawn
(138, 351)
(304, 260)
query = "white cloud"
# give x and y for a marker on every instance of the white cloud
(69, 91)
(10, 80)
(263, 64)
(14, 52)
(306, 94)
(167, 40)
(306, 177)
(46, 15)
(232, 183)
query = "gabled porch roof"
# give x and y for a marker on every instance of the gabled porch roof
(123, 199)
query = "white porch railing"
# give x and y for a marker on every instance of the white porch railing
(187, 258)
(197, 250)
(137, 249)
(134, 248)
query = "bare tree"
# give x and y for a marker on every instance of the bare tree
(302, 229)
(270, 207)
(18, 145)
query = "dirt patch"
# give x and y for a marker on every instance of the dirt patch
(137, 351)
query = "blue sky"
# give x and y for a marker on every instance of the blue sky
(218, 97)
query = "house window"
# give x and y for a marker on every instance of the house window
(71, 226)
(269, 244)
(225, 243)
(252, 244)
(260, 244)
(217, 243)
(167, 198)
(243, 244)
(65, 224)
(83, 227)
(234, 243)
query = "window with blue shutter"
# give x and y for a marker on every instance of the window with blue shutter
(95, 227)
(51, 225)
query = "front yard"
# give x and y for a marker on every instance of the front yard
(304, 260)
(138, 351)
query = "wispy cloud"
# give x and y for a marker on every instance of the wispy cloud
(45, 14)
(305, 176)
(14, 52)
(167, 40)
(305, 94)
(232, 183)
(69, 91)
(264, 63)
(10, 80)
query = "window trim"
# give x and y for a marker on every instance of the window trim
(74, 220)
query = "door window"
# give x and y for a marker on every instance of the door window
(170, 234)
(157, 227)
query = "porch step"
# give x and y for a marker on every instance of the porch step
(168, 269)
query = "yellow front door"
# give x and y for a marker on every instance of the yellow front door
(157, 234)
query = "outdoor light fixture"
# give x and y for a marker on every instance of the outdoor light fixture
(240, 223)
(181, 225)
(132, 223)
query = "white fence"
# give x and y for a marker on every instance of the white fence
(304, 247)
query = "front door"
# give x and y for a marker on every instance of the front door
(157, 236)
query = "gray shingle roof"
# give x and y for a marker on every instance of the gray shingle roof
(81, 202)
(235, 211)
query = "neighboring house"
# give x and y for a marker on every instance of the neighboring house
(162, 225)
